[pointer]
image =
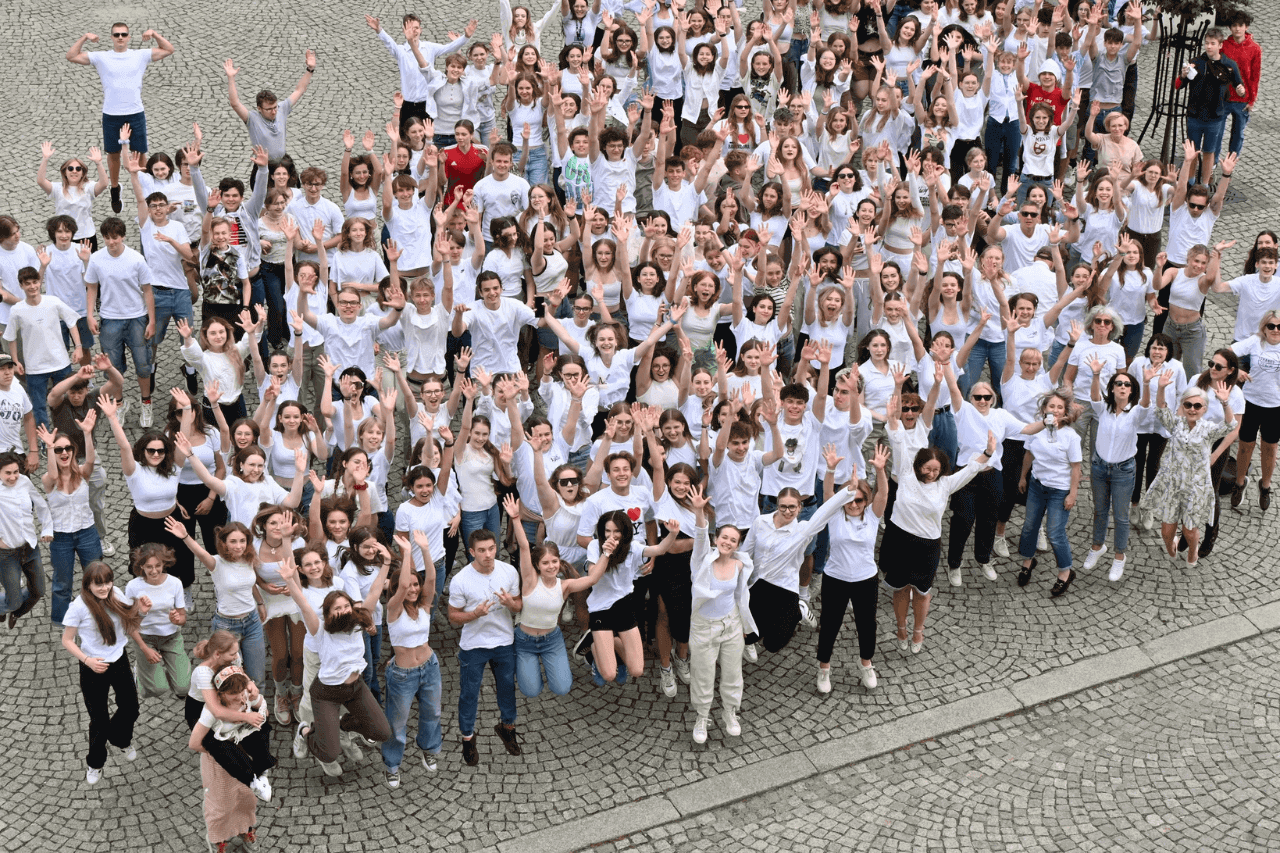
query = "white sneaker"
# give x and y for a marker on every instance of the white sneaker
(868, 676)
(331, 768)
(1001, 547)
(681, 666)
(954, 576)
(700, 730)
(1092, 557)
(1148, 519)
(731, 727)
(93, 774)
(1117, 570)
(807, 614)
(351, 748)
(429, 762)
(144, 415)
(300, 741)
(668, 681)
(130, 754)
(1042, 541)
(108, 550)
(262, 788)
(749, 653)
(393, 779)
(824, 679)
(988, 572)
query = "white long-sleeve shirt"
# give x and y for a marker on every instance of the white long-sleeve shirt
(776, 552)
(16, 504)
(919, 507)
(701, 565)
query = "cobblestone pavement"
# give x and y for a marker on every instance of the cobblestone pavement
(593, 749)
(1180, 758)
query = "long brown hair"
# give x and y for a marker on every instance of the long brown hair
(130, 618)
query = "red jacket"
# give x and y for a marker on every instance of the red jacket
(1248, 56)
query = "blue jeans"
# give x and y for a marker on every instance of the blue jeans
(1132, 339)
(444, 140)
(117, 334)
(86, 336)
(38, 389)
(549, 651)
(821, 542)
(535, 170)
(1239, 112)
(1206, 136)
(137, 132)
(253, 647)
(943, 434)
(372, 656)
(1054, 352)
(1027, 182)
(16, 564)
(271, 279)
(985, 353)
(485, 519)
(1112, 485)
(1042, 501)
(62, 554)
(171, 304)
(402, 686)
(471, 663)
(1003, 144)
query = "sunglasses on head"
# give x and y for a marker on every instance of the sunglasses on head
(1195, 407)
(982, 398)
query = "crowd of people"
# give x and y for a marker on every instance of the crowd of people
(652, 349)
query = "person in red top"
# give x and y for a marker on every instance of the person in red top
(464, 163)
(1245, 52)
(1047, 91)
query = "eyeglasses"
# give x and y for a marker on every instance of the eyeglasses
(1028, 214)
(568, 481)
(1195, 206)
(64, 450)
(981, 398)
(908, 409)
(1195, 407)
(789, 509)
(75, 168)
(158, 205)
(155, 451)
(1272, 327)
(582, 308)
(349, 303)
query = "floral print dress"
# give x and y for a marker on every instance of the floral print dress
(1182, 493)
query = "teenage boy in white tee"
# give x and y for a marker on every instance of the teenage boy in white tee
(128, 307)
(14, 255)
(635, 501)
(165, 246)
(16, 419)
(500, 193)
(494, 323)
(1259, 293)
(482, 599)
(38, 319)
(62, 266)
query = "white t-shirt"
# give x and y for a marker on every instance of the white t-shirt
(121, 73)
(350, 344)
(616, 583)
(363, 267)
(1054, 451)
(165, 597)
(41, 330)
(607, 175)
(91, 642)
(21, 256)
(411, 229)
(163, 258)
(853, 546)
(637, 504)
(1112, 356)
(120, 281)
(801, 451)
(244, 499)
(735, 489)
(469, 589)
(14, 405)
(500, 198)
(64, 278)
(495, 333)
(1257, 297)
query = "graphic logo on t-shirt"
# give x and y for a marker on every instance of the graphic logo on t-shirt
(634, 514)
(792, 461)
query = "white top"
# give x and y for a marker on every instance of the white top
(637, 504)
(341, 655)
(15, 405)
(165, 597)
(350, 344)
(1146, 210)
(354, 577)
(972, 429)
(1184, 292)
(1257, 297)
(120, 281)
(1172, 392)
(777, 552)
(853, 546)
(1082, 355)
(1022, 398)
(11, 261)
(41, 330)
(411, 229)
(1054, 451)
(607, 175)
(91, 642)
(206, 451)
(1117, 439)
(316, 596)
(919, 507)
(495, 333)
(121, 74)
(1128, 295)
(1186, 231)
(362, 267)
(542, 606)
(244, 498)
(76, 202)
(162, 257)
(71, 513)
(801, 452)
(217, 367)
(233, 585)
(510, 269)
(431, 519)
(1019, 249)
(466, 592)
(64, 277)
(617, 582)
(1213, 412)
(406, 633)
(562, 529)
(496, 198)
(712, 597)
(1263, 387)
(150, 491)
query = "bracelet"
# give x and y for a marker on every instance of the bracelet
(311, 69)
(1227, 174)
(1070, 344)
(450, 444)
(359, 487)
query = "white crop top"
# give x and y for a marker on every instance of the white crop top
(542, 606)
(409, 633)
(150, 491)
(1184, 292)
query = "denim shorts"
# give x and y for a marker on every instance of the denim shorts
(1206, 135)
(132, 333)
(111, 132)
(86, 336)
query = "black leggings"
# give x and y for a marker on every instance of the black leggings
(777, 613)
(837, 595)
(974, 509)
(1150, 449)
(1011, 463)
(245, 760)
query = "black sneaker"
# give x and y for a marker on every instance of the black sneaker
(1206, 546)
(1061, 586)
(470, 754)
(116, 205)
(1264, 498)
(509, 738)
(1024, 574)
(1237, 494)
(582, 648)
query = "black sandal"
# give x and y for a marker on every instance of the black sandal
(1061, 586)
(1024, 575)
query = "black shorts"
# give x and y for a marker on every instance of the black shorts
(1260, 419)
(618, 618)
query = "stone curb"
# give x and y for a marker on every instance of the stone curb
(763, 776)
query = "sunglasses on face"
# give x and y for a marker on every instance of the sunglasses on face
(568, 481)
(909, 409)
(1273, 327)
(1195, 206)
(119, 35)
(1195, 407)
(62, 451)
(982, 398)
(1124, 385)
(75, 168)
(856, 501)
(1103, 321)
(845, 175)
(1214, 365)
(155, 451)
(1029, 214)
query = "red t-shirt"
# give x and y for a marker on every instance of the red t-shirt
(462, 170)
(1036, 94)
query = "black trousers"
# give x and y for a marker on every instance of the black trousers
(776, 612)
(837, 595)
(105, 727)
(974, 509)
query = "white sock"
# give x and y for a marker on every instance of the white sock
(804, 594)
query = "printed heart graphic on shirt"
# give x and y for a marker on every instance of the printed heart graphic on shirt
(634, 513)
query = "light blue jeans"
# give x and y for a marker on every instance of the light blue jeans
(63, 551)
(535, 170)
(402, 686)
(1112, 486)
(485, 519)
(16, 564)
(253, 646)
(535, 654)
(984, 353)
(1042, 501)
